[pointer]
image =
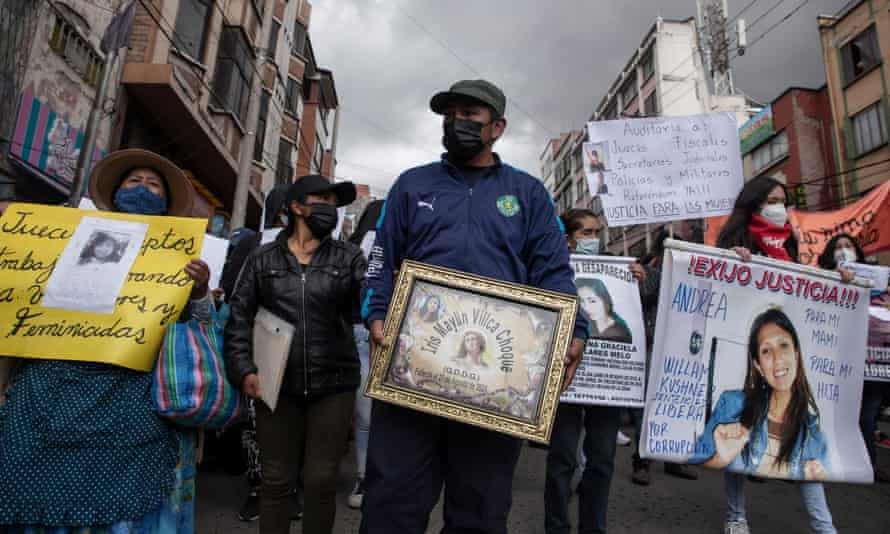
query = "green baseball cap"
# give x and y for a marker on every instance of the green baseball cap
(481, 90)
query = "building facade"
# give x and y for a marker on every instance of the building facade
(182, 88)
(855, 43)
(50, 70)
(791, 140)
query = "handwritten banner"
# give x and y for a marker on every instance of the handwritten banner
(664, 169)
(155, 289)
(613, 369)
(867, 220)
(757, 368)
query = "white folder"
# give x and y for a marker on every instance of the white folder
(272, 337)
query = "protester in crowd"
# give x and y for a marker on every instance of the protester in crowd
(844, 248)
(759, 225)
(599, 423)
(771, 427)
(473, 213)
(83, 449)
(243, 242)
(313, 282)
(650, 287)
(363, 236)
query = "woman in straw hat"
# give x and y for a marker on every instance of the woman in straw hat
(81, 447)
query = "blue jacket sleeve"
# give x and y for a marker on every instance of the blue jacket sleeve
(385, 258)
(547, 254)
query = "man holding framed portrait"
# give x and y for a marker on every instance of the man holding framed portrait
(471, 213)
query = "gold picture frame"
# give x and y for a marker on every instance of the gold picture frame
(475, 350)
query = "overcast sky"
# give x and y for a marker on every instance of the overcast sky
(554, 59)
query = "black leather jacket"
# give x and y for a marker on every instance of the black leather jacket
(322, 302)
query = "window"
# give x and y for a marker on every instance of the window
(629, 92)
(868, 126)
(578, 158)
(76, 51)
(273, 39)
(580, 189)
(292, 96)
(191, 25)
(317, 155)
(800, 196)
(648, 65)
(299, 40)
(284, 171)
(770, 152)
(860, 55)
(650, 106)
(231, 81)
(259, 142)
(259, 5)
(611, 113)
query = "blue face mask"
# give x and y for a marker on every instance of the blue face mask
(139, 200)
(589, 247)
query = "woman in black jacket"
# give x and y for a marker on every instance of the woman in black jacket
(313, 282)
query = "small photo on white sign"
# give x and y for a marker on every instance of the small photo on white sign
(92, 269)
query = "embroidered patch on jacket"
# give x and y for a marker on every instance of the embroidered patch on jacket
(508, 205)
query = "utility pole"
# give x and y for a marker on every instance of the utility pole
(116, 36)
(714, 42)
(245, 155)
(85, 157)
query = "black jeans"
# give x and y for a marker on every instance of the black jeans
(411, 455)
(600, 424)
(315, 429)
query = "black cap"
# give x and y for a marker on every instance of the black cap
(314, 184)
(481, 90)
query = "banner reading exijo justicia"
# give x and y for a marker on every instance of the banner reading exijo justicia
(613, 369)
(757, 368)
(664, 169)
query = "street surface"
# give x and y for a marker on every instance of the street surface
(668, 505)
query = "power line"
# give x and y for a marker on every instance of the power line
(742, 12)
(766, 13)
(779, 22)
(445, 46)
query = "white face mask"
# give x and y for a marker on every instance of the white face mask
(589, 247)
(844, 255)
(776, 214)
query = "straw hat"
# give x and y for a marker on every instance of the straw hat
(108, 173)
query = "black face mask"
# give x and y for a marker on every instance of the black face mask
(463, 139)
(322, 221)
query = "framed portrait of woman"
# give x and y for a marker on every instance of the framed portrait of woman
(473, 349)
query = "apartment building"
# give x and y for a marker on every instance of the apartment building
(855, 43)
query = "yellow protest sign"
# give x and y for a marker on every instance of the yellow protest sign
(92, 285)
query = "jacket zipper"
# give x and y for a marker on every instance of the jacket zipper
(305, 344)
(469, 230)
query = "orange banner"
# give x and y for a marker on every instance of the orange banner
(868, 220)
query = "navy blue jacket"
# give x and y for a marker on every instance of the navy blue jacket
(504, 227)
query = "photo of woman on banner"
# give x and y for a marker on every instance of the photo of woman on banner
(102, 247)
(771, 427)
(597, 162)
(599, 310)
